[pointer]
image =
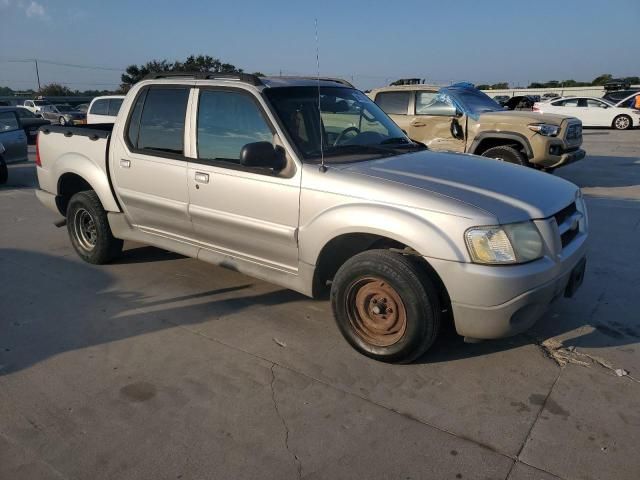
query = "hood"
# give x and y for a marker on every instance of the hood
(510, 193)
(524, 117)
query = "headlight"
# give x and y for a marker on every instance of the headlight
(504, 244)
(545, 129)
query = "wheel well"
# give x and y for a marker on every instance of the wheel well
(487, 143)
(335, 253)
(68, 185)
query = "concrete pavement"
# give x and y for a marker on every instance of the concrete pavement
(160, 366)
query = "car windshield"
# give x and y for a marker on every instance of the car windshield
(40, 103)
(474, 101)
(64, 108)
(353, 127)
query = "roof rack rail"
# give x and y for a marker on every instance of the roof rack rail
(323, 79)
(241, 77)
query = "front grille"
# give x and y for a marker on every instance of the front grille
(568, 225)
(565, 213)
(567, 237)
(574, 132)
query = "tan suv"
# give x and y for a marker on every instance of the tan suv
(461, 118)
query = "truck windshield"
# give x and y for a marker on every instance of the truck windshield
(353, 127)
(473, 101)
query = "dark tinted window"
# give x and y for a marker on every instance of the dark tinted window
(134, 120)
(24, 113)
(162, 120)
(114, 106)
(394, 102)
(227, 121)
(8, 122)
(100, 107)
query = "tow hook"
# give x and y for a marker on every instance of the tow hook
(60, 223)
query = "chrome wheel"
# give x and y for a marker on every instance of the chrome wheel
(621, 123)
(376, 312)
(84, 229)
(62, 121)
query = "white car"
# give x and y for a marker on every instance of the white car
(594, 112)
(36, 106)
(104, 109)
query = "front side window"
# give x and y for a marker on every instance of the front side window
(434, 103)
(162, 120)
(114, 106)
(100, 107)
(227, 121)
(394, 103)
(8, 122)
(349, 126)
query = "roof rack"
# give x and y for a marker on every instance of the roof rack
(322, 79)
(241, 77)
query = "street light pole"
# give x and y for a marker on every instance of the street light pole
(37, 73)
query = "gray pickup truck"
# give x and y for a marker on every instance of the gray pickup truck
(307, 184)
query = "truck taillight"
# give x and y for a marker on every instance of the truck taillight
(38, 162)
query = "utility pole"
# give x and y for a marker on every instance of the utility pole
(37, 73)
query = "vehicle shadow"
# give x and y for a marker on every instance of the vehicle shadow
(145, 254)
(597, 171)
(21, 175)
(83, 307)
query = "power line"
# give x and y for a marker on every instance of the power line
(62, 64)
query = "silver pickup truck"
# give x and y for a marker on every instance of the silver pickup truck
(307, 184)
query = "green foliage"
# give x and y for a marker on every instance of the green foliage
(5, 91)
(194, 63)
(495, 86)
(55, 90)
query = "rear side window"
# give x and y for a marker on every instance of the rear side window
(114, 106)
(8, 122)
(100, 107)
(161, 125)
(227, 121)
(395, 103)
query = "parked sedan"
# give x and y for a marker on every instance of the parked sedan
(594, 112)
(64, 114)
(30, 122)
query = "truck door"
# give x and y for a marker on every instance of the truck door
(244, 212)
(147, 162)
(433, 121)
(12, 137)
(398, 105)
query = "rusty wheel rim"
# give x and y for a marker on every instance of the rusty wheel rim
(376, 312)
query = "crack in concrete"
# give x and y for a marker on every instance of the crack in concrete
(284, 423)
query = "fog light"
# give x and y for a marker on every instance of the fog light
(555, 150)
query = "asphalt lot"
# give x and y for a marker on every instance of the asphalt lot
(163, 367)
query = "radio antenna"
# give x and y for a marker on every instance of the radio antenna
(323, 167)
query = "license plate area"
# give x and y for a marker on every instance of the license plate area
(575, 278)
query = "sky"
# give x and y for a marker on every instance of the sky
(368, 42)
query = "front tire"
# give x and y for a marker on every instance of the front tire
(89, 229)
(504, 153)
(622, 122)
(62, 121)
(385, 306)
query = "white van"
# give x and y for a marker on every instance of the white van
(104, 109)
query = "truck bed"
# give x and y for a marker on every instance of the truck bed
(65, 152)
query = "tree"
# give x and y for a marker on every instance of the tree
(55, 90)
(602, 79)
(5, 91)
(194, 63)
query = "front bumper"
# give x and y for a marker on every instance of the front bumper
(499, 301)
(569, 157)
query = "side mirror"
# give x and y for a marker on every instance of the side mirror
(264, 155)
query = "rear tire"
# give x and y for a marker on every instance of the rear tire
(89, 229)
(385, 306)
(62, 121)
(4, 172)
(507, 154)
(622, 122)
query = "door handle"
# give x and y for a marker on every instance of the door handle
(125, 163)
(202, 177)
(417, 123)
